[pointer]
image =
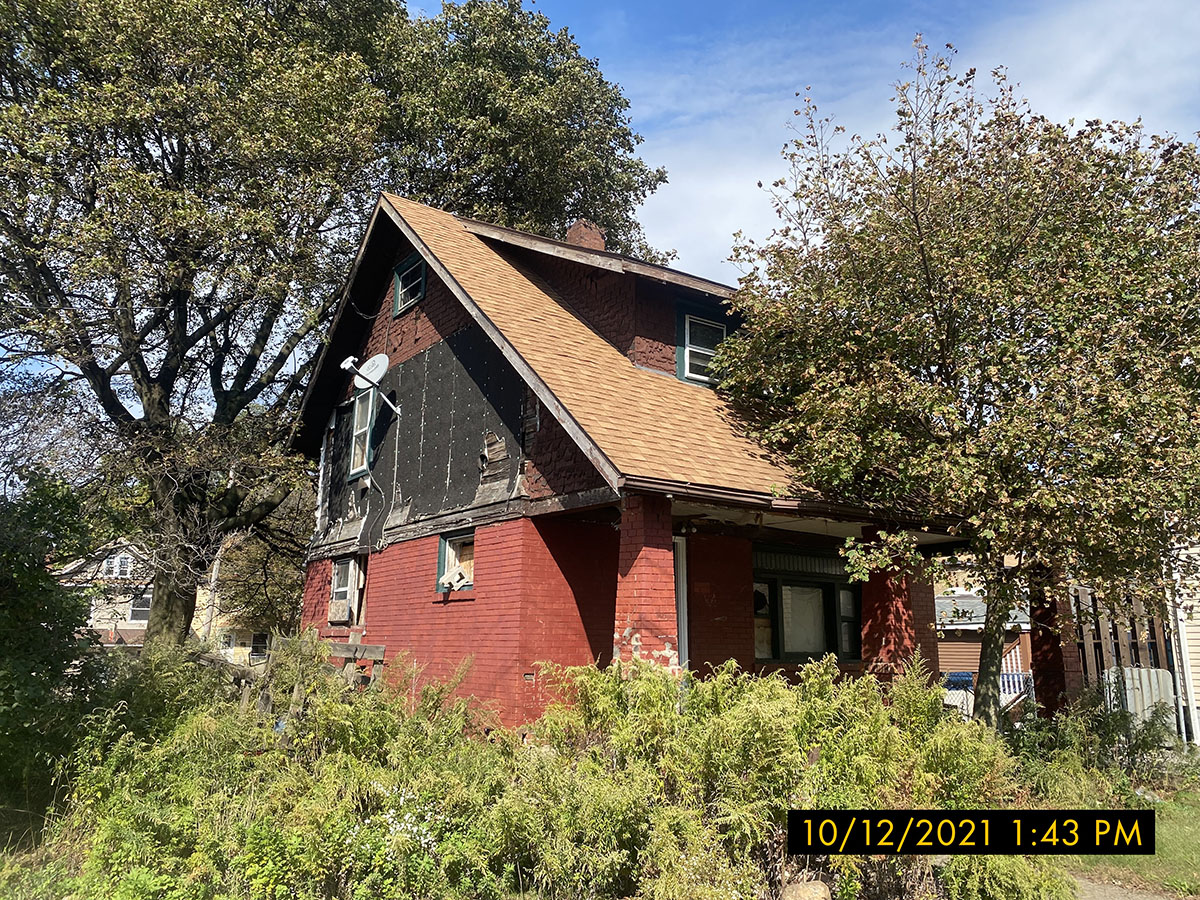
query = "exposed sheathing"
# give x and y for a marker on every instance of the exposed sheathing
(455, 398)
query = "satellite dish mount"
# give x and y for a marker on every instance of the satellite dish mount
(369, 374)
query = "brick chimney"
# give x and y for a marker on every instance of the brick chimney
(586, 233)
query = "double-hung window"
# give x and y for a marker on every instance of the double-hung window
(700, 340)
(804, 607)
(139, 606)
(457, 569)
(344, 598)
(118, 566)
(409, 283)
(360, 440)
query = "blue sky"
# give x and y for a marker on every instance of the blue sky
(712, 85)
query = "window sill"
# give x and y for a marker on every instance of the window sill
(460, 596)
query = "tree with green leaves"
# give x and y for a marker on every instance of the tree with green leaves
(182, 190)
(47, 655)
(990, 319)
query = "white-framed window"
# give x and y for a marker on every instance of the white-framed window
(119, 565)
(360, 439)
(345, 593)
(260, 642)
(700, 340)
(409, 283)
(456, 571)
(139, 607)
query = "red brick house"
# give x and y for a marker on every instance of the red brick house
(545, 473)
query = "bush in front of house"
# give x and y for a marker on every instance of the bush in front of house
(638, 784)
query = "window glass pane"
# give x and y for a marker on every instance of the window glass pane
(803, 613)
(698, 361)
(123, 563)
(358, 459)
(341, 579)
(704, 334)
(410, 285)
(762, 598)
(846, 602)
(139, 608)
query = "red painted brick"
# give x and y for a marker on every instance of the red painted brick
(645, 620)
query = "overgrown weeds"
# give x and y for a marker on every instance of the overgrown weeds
(637, 783)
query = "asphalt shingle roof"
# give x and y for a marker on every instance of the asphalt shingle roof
(648, 424)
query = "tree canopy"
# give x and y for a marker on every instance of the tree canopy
(991, 319)
(182, 189)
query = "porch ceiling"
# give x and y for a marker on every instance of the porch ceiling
(750, 518)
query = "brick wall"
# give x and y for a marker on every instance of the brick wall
(653, 345)
(645, 621)
(924, 621)
(544, 589)
(720, 574)
(314, 606)
(437, 316)
(898, 617)
(570, 592)
(634, 316)
(1054, 659)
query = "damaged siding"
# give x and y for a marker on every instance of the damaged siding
(449, 448)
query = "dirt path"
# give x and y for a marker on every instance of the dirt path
(1099, 890)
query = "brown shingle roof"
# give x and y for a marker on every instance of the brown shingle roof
(648, 424)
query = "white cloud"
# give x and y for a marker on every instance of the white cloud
(716, 114)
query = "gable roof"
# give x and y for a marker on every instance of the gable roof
(642, 428)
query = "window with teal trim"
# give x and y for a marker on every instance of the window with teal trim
(409, 283)
(456, 562)
(699, 344)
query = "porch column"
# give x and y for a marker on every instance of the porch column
(897, 618)
(1057, 671)
(645, 624)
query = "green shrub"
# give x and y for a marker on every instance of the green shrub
(638, 783)
(1004, 878)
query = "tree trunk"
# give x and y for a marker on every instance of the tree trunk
(173, 604)
(991, 655)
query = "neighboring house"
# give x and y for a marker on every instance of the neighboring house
(120, 575)
(960, 616)
(546, 474)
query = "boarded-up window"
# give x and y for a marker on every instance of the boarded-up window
(344, 596)
(457, 571)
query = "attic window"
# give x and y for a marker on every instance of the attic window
(409, 283)
(118, 566)
(701, 338)
(360, 441)
(456, 571)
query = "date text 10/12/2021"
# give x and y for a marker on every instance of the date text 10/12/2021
(937, 831)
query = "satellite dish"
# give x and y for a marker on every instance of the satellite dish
(371, 371)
